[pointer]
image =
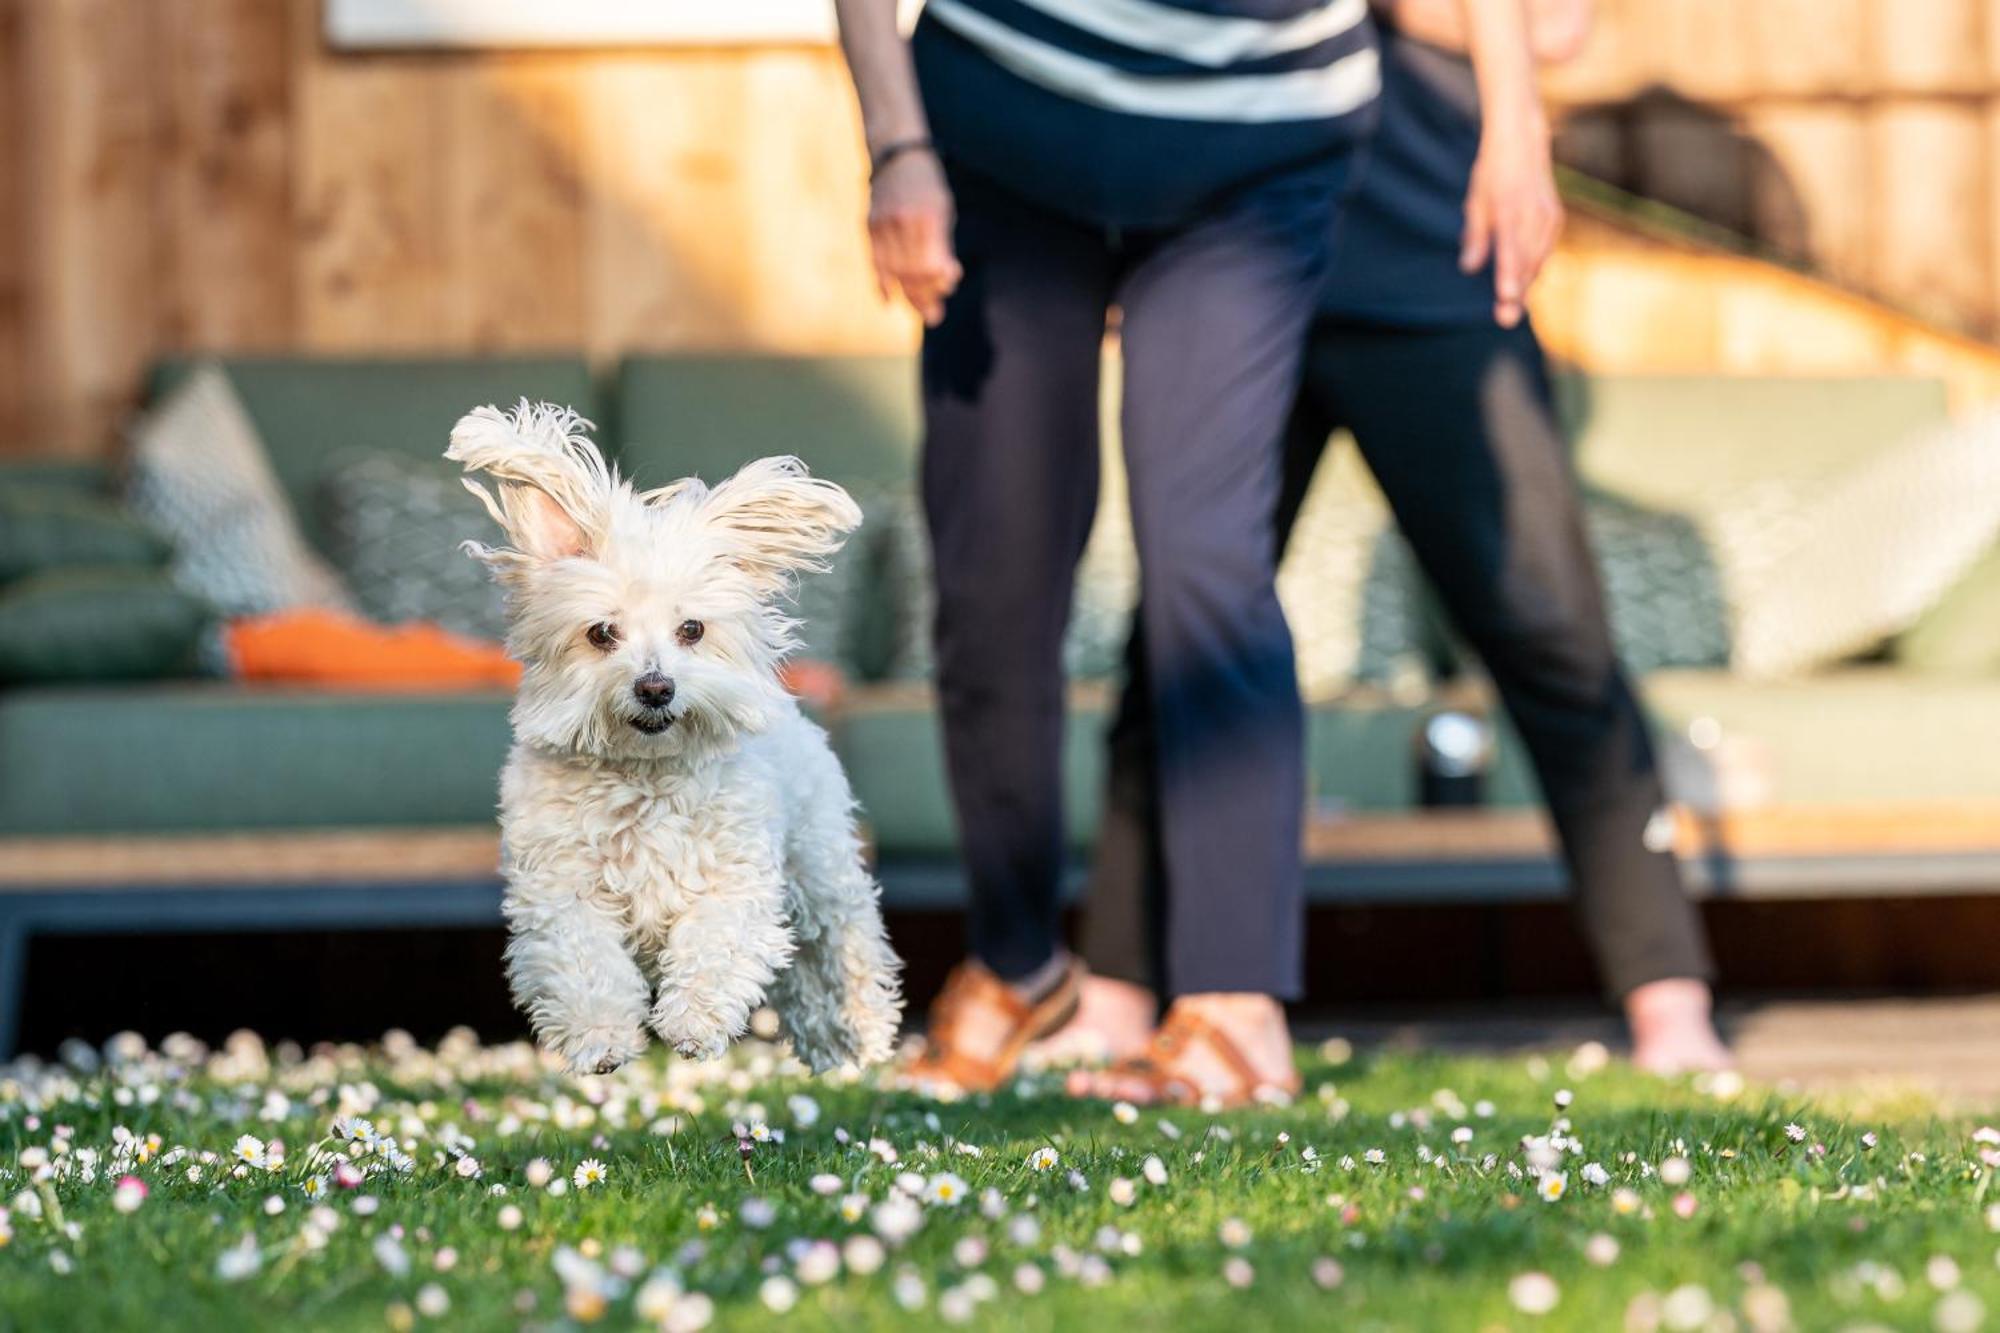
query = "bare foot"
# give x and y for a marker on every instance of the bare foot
(1220, 1049)
(1114, 1020)
(1673, 1028)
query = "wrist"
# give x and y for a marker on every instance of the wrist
(881, 157)
(1521, 119)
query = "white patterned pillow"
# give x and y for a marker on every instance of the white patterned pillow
(198, 474)
(1849, 561)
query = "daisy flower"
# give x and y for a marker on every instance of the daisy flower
(1594, 1173)
(1154, 1170)
(1125, 1113)
(315, 1187)
(1375, 1157)
(588, 1172)
(1796, 1133)
(126, 1197)
(945, 1188)
(1123, 1192)
(852, 1207)
(249, 1150)
(1535, 1293)
(1043, 1159)
(1552, 1186)
(863, 1255)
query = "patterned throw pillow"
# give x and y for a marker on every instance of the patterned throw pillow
(1662, 588)
(199, 475)
(1819, 572)
(394, 525)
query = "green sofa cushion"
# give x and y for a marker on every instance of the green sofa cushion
(314, 411)
(75, 476)
(194, 758)
(1961, 634)
(1859, 735)
(49, 527)
(97, 624)
(1673, 441)
(854, 419)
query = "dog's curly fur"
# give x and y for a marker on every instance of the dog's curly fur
(670, 864)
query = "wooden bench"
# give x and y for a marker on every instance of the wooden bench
(385, 879)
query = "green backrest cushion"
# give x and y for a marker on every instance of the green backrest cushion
(1668, 441)
(50, 527)
(852, 419)
(97, 624)
(312, 412)
(1960, 636)
(76, 476)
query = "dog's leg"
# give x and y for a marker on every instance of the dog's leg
(839, 999)
(719, 959)
(569, 972)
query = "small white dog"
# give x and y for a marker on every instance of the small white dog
(679, 841)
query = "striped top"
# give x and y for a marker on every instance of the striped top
(1138, 111)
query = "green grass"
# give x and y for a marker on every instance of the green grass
(1782, 1234)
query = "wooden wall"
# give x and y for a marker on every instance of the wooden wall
(204, 174)
(1862, 136)
(189, 174)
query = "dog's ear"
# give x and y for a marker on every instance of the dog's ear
(555, 487)
(780, 521)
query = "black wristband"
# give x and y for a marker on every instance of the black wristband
(895, 148)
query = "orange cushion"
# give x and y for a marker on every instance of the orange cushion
(318, 647)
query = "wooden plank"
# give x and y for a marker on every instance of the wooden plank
(814, 289)
(88, 143)
(1809, 47)
(368, 187)
(1884, 830)
(1927, 46)
(1930, 238)
(1809, 174)
(513, 200)
(251, 860)
(666, 204)
(225, 172)
(15, 433)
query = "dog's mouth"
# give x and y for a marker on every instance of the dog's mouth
(653, 721)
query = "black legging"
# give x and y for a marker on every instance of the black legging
(1458, 426)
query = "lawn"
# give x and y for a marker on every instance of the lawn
(471, 1186)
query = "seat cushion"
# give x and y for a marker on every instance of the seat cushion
(312, 412)
(1359, 756)
(1856, 736)
(201, 758)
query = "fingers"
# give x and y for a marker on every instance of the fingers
(1476, 243)
(1509, 264)
(912, 253)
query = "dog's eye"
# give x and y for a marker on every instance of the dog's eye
(603, 636)
(690, 632)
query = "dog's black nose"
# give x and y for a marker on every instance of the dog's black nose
(653, 690)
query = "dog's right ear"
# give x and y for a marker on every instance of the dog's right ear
(554, 485)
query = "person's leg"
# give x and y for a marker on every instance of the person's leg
(1120, 938)
(1459, 428)
(1010, 387)
(1214, 324)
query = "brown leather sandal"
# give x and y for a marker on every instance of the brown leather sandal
(1158, 1068)
(946, 1059)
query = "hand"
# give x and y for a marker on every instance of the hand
(909, 230)
(1512, 212)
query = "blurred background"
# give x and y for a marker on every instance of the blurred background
(257, 255)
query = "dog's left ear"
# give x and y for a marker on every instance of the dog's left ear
(780, 520)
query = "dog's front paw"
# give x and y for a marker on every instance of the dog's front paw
(600, 1050)
(694, 1035)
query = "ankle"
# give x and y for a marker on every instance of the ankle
(1036, 985)
(1669, 1001)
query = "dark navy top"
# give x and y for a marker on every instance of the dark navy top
(1143, 113)
(1395, 254)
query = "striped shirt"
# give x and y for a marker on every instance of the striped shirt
(1142, 112)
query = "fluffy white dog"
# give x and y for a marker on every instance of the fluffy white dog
(679, 841)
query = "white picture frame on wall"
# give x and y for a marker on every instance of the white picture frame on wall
(377, 25)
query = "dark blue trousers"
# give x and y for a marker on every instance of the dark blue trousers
(1212, 326)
